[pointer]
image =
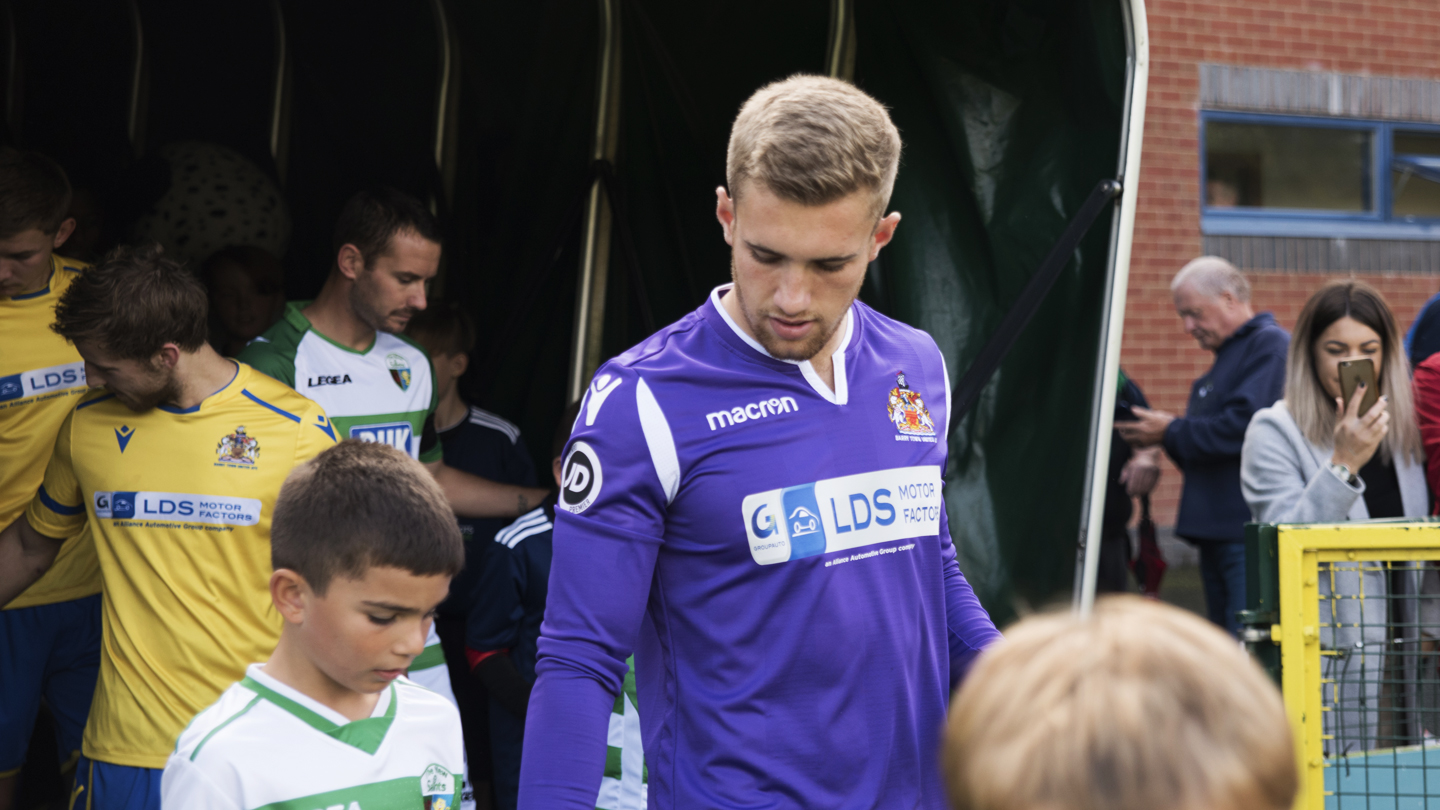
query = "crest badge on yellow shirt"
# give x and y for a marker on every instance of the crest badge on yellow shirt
(238, 449)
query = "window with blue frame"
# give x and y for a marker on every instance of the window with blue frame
(1310, 176)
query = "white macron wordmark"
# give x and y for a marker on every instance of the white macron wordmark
(755, 410)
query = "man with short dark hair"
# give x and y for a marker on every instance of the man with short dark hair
(174, 468)
(751, 505)
(50, 634)
(345, 350)
(1212, 298)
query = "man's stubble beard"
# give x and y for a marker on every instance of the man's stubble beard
(166, 390)
(806, 350)
(367, 312)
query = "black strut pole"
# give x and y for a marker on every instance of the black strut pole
(967, 391)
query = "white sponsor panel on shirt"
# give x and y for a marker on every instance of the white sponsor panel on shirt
(42, 381)
(218, 510)
(399, 435)
(842, 513)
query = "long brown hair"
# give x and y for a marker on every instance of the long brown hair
(1305, 397)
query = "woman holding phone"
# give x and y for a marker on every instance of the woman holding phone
(1317, 456)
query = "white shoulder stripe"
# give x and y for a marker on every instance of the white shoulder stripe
(525, 521)
(530, 532)
(485, 418)
(659, 438)
(945, 434)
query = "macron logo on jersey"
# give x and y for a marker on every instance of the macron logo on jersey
(399, 435)
(42, 381)
(213, 509)
(755, 410)
(842, 513)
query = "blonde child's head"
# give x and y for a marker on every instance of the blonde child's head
(1141, 706)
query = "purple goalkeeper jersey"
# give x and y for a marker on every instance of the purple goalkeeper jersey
(777, 557)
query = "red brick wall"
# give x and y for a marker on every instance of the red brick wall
(1377, 37)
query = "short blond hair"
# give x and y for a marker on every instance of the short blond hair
(1141, 706)
(814, 140)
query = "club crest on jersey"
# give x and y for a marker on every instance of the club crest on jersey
(437, 786)
(238, 449)
(399, 370)
(908, 412)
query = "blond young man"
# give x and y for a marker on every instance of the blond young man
(172, 469)
(1141, 706)
(750, 503)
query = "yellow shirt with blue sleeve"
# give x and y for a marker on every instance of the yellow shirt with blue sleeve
(41, 379)
(179, 503)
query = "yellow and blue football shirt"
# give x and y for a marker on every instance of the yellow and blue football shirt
(41, 378)
(179, 502)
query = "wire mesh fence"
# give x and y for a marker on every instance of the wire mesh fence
(1379, 646)
(1346, 618)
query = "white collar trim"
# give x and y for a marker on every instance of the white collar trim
(841, 394)
(255, 671)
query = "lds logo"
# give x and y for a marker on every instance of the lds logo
(580, 478)
(842, 513)
(217, 510)
(399, 435)
(42, 380)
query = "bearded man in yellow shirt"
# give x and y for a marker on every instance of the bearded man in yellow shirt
(174, 468)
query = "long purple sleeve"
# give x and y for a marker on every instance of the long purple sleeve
(971, 630)
(775, 555)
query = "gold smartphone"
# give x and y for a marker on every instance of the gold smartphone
(1351, 373)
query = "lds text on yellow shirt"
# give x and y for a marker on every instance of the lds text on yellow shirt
(41, 379)
(179, 502)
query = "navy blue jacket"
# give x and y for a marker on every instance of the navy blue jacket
(486, 445)
(514, 586)
(1249, 374)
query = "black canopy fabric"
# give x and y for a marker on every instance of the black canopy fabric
(1011, 111)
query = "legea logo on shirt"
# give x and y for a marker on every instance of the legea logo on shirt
(177, 506)
(399, 435)
(42, 381)
(842, 513)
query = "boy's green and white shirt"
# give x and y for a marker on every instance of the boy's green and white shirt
(266, 746)
(384, 393)
(625, 785)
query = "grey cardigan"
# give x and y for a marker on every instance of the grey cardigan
(1285, 478)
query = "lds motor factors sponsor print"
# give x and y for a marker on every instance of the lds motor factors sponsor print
(216, 510)
(41, 381)
(836, 514)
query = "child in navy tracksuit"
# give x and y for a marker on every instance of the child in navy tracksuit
(502, 631)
